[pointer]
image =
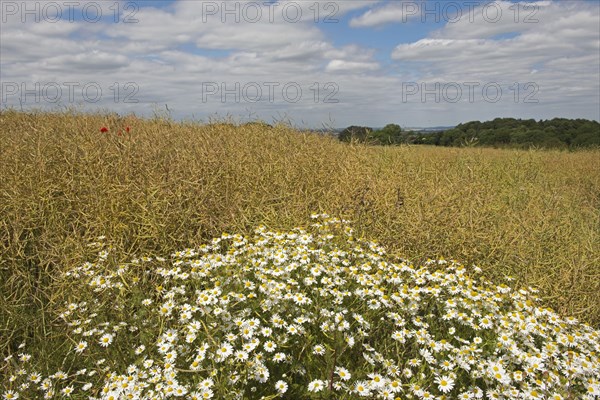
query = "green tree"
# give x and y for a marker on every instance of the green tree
(355, 134)
(390, 134)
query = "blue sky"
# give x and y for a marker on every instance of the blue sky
(415, 63)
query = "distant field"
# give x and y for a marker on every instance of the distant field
(164, 186)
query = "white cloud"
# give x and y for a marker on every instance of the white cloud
(397, 11)
(351, 66)
(168, 56)
(563, 49)
(175, 54)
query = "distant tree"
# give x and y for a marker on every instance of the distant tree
(500, 132)
(587, 139)
(391, 130)
(390, 134)
(355, 134)
(432, 138)
(556, 133)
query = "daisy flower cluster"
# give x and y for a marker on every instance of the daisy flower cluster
(311, 313)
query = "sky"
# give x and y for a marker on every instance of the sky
(311, 63)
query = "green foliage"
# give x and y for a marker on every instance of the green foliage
(558, 133)
(355, 134)
(391, 134)
(509, 132)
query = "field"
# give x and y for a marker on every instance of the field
(161, 186)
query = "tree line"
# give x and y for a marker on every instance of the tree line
(501, 132)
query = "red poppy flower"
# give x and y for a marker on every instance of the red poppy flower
(127, 129)
(104, 129)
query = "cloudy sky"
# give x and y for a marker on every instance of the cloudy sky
(314, 63)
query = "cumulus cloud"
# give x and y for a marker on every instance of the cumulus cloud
(353, 66)
(393, 12)
(180, 56)
(560, 53)
(167, 57)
